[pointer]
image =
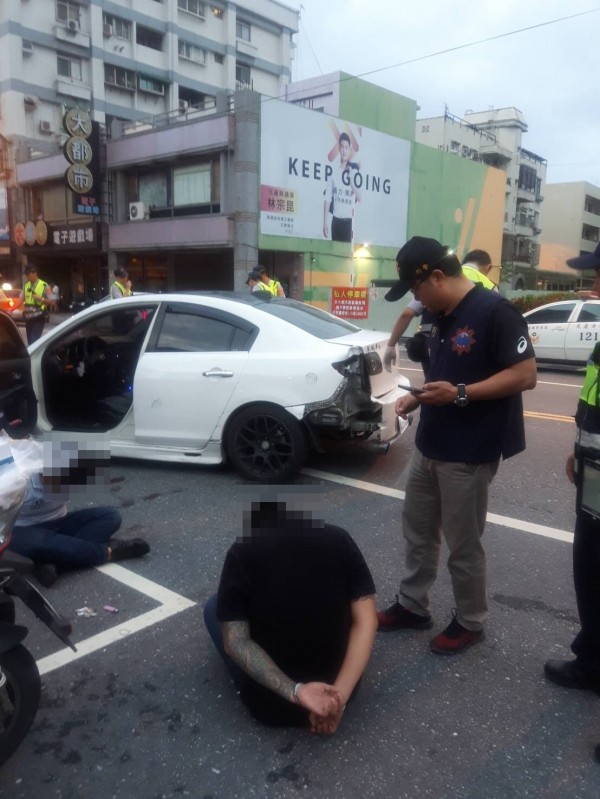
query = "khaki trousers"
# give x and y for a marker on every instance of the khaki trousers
(450, 499)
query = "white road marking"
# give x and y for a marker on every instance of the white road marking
(567, 385)
(170, 604)
(493, 518)
(539, 382)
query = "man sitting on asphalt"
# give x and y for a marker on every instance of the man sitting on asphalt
(57, 540)
(294, 618)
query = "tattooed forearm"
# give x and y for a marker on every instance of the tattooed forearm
(253, 659)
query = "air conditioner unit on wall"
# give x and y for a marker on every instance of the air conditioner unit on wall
(72, 25)
(138, 211)
(107, 31)
(45, 126)
(183, 106)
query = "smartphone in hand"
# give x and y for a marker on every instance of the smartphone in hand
(415, 390)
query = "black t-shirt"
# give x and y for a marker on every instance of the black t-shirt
(483, 335)
(294, 585)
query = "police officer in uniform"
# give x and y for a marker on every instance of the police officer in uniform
(271, 285)
(584, 670)
(416, 347)
(121, 286)
(34, 299)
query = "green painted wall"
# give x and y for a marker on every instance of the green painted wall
(440, 183)
(376, 108)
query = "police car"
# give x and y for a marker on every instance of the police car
(203, 378)
(564, 332)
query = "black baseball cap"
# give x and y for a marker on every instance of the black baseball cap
(591, 260)
(415, 260)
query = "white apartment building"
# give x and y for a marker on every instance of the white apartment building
(131, 65)
(495, 138)
(132, 59)
(571, 227)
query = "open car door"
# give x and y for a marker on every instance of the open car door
(18, 404)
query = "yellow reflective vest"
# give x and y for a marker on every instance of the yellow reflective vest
(125, 292)
(35, 294)
(272, 287)
(475, 276)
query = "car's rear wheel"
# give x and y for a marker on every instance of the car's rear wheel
(265, 443)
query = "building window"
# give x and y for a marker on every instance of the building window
(243, 76)
(153, 188)
(150, 85)
(120, 27)
(242, 31)
(68, 67)
(191, 185)
(219, 58)
(192, 7)
(67, 12)
(192, 52)
(149, 38)
(527, 178)
(119, 77)
(187, 190)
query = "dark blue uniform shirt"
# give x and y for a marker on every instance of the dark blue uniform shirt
(483, 335)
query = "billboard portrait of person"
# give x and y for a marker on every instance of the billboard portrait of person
(341, 195)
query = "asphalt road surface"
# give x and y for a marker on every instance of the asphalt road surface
(145, 709)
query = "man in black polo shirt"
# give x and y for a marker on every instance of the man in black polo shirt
(481, 359)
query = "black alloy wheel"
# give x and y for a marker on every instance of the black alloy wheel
(266, 443)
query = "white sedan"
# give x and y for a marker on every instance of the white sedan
(564, 332)
(216, 376)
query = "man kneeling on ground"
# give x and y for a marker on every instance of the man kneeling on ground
(294, 618)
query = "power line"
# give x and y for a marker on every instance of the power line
(308, 40)
(460, 47)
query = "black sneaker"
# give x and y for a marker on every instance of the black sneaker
(46, 574)
(570, 674)
(397, 617)
(130, 548)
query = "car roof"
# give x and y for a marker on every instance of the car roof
(575, 300)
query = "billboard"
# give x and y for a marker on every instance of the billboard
(325, 178)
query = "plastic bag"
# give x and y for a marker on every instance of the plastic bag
(13, 484)
(28, 453)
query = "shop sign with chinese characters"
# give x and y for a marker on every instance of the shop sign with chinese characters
(82, 150)
(49, 236)
(350, 303)
(70, 236)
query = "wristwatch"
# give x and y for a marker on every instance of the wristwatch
(461, 400)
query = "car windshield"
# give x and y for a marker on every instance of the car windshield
(312, 320)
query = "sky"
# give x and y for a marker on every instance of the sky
(551, 73)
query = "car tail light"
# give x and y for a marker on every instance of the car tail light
(353, 368)
(373, 363)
